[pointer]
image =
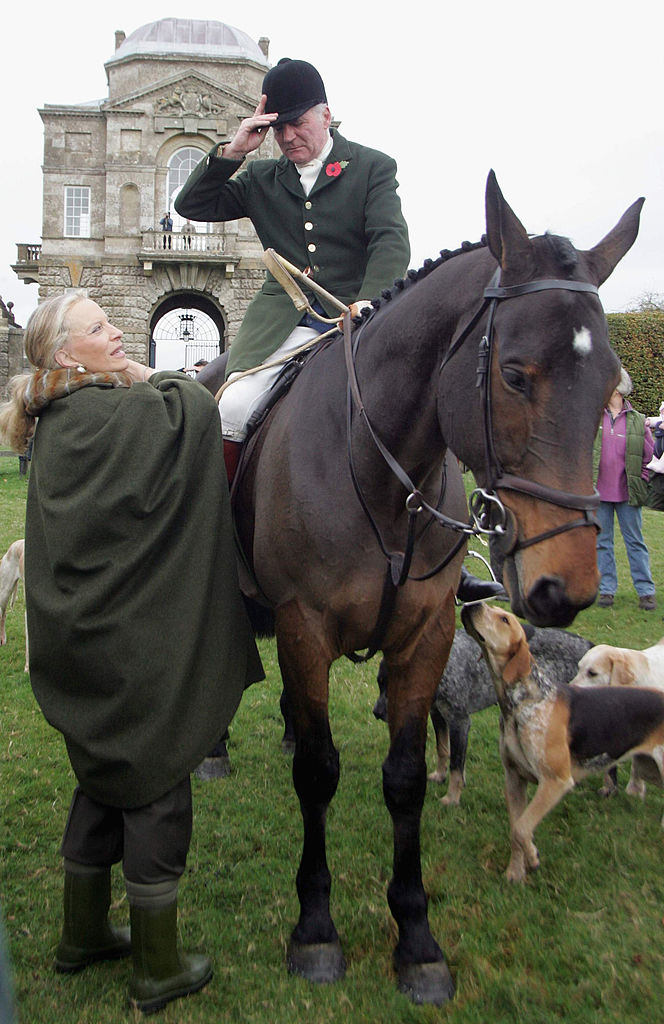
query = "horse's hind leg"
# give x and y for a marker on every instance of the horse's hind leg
(422, 971)
(314, 951)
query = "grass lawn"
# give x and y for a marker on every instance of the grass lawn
(581, 942)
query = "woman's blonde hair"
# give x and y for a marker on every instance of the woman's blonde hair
(46, 332)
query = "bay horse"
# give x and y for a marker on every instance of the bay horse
(353, 468)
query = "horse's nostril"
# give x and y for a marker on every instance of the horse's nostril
(548, 605)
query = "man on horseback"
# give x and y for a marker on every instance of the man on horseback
(329, 206)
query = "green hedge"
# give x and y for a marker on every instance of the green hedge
(638, 339)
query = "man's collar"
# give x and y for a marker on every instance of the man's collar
(340, 148)
(288, 174)
(325, 151)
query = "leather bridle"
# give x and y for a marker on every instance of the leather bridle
(484, 501)
(488, 513)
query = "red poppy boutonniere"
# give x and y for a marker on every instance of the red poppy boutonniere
(335, 169)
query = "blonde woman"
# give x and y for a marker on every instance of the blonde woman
(139, 651)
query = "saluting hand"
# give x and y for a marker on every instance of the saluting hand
(251, 133)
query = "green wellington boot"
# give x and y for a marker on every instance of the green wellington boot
(162, 972)
(86, 935)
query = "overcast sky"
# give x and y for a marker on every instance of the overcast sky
(564, 101)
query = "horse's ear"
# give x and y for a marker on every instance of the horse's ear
(606, 255)
(507, 238)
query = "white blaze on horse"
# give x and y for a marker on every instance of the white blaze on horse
(353, 516)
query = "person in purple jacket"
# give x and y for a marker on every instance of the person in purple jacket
(623, 449)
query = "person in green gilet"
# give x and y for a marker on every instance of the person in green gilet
(623, 449)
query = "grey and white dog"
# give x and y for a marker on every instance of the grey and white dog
(467, 687)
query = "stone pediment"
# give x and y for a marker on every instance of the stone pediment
(189, 84)
(188, 102)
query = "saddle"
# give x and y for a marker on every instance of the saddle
(290, 370)
(281, 386)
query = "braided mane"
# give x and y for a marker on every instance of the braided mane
(563, 251)
(413, 276)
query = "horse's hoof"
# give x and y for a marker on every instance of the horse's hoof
(321, 962)
(426, 983)
(213, 768)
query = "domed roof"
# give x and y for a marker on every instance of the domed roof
(177, 36)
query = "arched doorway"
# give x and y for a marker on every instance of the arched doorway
(185, 328)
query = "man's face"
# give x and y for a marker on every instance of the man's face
(302, 140)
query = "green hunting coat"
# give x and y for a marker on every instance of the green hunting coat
(139, 643)
(349, 231)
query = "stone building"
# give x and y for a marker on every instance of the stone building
(11, 344)
(113, 167)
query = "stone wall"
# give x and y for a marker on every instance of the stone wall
(12, 357)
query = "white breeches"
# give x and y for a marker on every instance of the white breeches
(239, 401)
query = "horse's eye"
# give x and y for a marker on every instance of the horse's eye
(515, 378)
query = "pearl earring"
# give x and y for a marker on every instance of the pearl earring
(80, 368)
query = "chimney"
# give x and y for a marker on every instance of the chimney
(120, 37)
(264, 44)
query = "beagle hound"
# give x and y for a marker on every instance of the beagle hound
(466, 686)
(554, 736)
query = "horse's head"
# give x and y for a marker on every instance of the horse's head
(527, 430)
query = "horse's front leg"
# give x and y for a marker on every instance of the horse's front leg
(314, 951)
(419, 962)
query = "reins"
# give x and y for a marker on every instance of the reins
(285, 273)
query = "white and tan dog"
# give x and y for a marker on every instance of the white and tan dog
(556, 735)
(604, 665)
(11, 571)
(619, 666)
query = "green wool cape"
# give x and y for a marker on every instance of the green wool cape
(140, 647)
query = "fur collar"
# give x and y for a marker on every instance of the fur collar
(48, 385)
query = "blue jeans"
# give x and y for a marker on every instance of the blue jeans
(629, 521)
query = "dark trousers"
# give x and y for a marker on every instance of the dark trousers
(152, 841)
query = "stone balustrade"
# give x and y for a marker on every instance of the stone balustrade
(28, 252)
(177, 241)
